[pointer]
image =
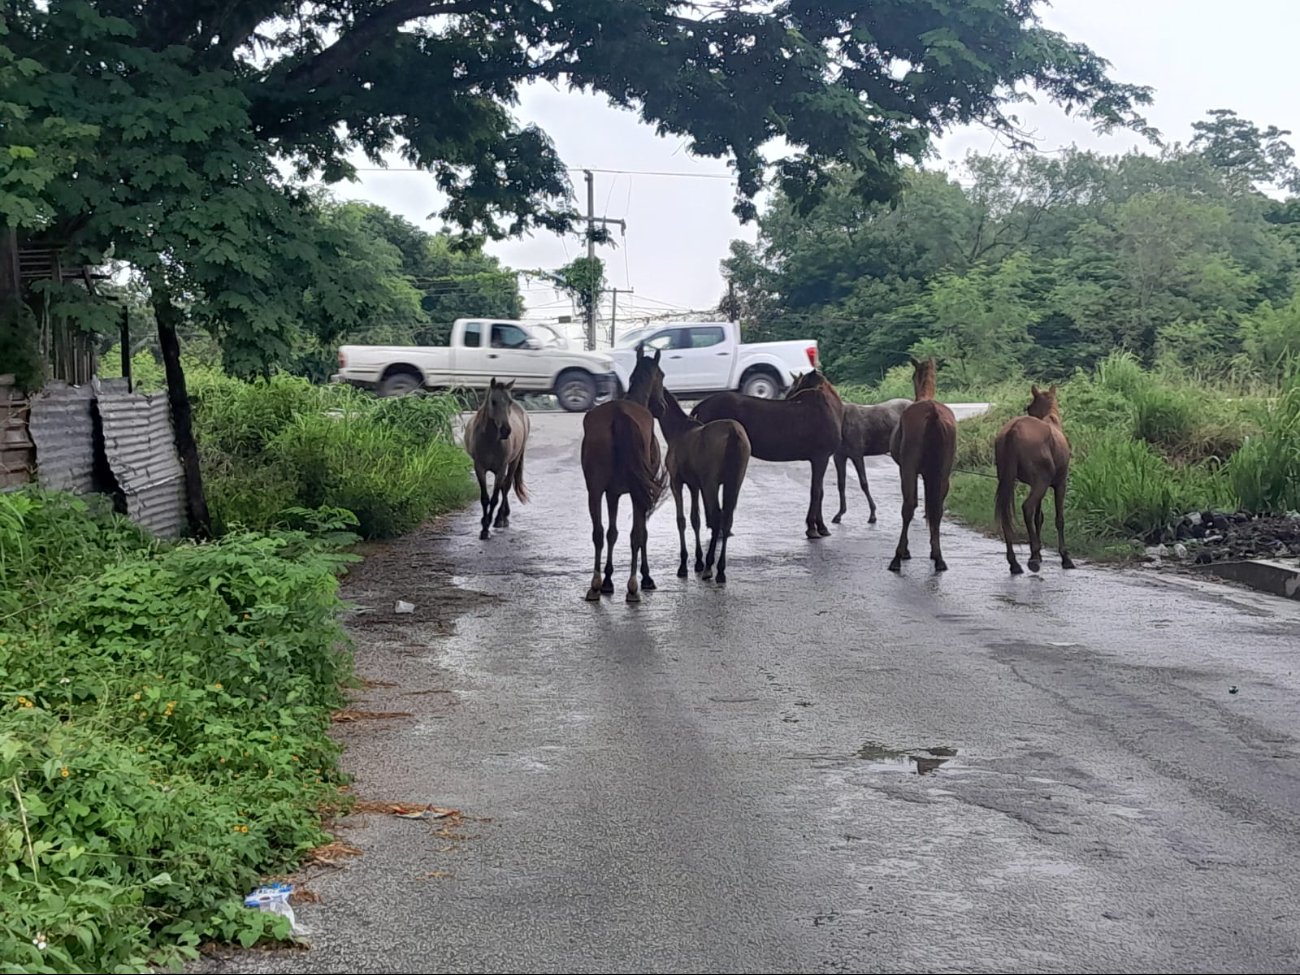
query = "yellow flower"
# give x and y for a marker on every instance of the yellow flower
(294, 757)
(171, 706)
(25, 702)
(135, 696)
(64, 772)
(217, 686)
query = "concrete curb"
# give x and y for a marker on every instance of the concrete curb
(1266, 575)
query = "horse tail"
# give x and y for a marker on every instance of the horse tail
(632, 455)
(938, 448)
(521, 491)
(1004, 508)
(735, 461)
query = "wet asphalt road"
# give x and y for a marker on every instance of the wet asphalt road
(750, 779)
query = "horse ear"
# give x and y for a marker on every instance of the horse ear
(658, 354)
(913, 360)
(1035, 390)
(493, 384)
(1052, 391)
(509, 385)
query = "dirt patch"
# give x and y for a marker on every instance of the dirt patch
(1213, 536)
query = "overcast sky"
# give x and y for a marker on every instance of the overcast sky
(1196, 54)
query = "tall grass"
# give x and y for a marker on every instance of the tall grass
(1148, 446)
(272, 446)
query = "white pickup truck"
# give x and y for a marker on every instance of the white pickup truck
(536, 358)
(700, 358)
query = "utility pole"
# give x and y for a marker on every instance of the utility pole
(613, 310)
(592, 220)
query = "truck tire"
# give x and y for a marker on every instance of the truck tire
(399, 383)
(761, 383)
(576, 391)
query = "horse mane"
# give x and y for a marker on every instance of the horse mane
(923, 379)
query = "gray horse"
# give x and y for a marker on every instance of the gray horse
(495, 438)
(864, 432)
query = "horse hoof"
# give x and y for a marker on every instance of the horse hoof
(1067, 563)
(813, 533)
(872, 519)
(896, 565)
(940, 565)
(607, 587)
(823, 531)
(708, 574)
(682, 573)
(699, 567)
(905, 554)
(722, 579)
(484, 534)
(835, 520)
(633, 596)
(1016, 570)
(1034, 565)
(593, 595)
(648, 583)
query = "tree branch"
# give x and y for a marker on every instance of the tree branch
(340, 55)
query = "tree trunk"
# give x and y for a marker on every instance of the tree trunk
(178, 397)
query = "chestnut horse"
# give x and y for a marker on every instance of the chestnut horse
(805, 426)
(495, 438)
(865, 432)
(706, 457)
(1033, 449)
(924, 444)
(620, 455)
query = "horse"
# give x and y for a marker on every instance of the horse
(495, 438)
(865, 432)
(924, 444)
(706, 457)
(620, 455)
(1034, 449)
(804, 426)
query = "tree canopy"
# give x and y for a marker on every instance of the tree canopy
(1043, 263)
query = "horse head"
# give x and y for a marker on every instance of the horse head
(924, 373)
(646, 384)
(1043, 404)
(498, 406)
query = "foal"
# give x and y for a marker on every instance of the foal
(705, 457)
(1033, 449)
(925, 444)
(495, 437)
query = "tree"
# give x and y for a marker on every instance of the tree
(1248, 156)
(197, 106)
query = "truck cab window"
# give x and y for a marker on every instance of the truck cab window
(473, 335)
(509, 337)
(702, 338)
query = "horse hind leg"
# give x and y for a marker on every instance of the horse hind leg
(903, 551)
(1033, 512)
(695, 525)
(714, 516)
(611, 536)
(639, 537)
(814, 526)
(936, 492)
(681, 529)
(484, 500)
(597, 537)
(861, 467)
(841, 470)
(647, 582)
(1059, 497)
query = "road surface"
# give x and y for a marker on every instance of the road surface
(823, 767)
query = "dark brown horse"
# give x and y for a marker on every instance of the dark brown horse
(708, 458)
(805, 426)
(866, 431)
(620, 455)
(924, 444)
(1033, 449)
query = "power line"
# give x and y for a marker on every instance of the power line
(572, 169)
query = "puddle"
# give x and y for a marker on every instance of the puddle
(925, 760)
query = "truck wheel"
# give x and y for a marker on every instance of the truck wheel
(398, 384)
(576, 391)
(761, 384)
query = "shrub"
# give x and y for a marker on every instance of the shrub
(163, 746)
(1265, 472)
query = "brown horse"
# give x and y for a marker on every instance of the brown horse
(805, 426)
(495, 438)
(620, 455)
(924, 443)
(865, 432)
(706, 457)
(1033, 449)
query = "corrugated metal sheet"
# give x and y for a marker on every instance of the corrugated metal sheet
(141, 452)
(17, 459)
(63, 429)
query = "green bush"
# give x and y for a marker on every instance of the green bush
(1265, 472)
(273, 445)
(163, 746)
